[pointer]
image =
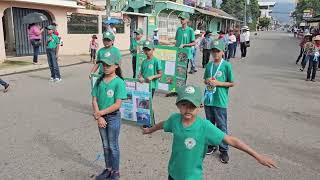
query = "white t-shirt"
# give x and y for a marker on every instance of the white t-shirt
(245, 36)
(232, 39)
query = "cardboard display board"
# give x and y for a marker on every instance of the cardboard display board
(174, 64)
(138, 106)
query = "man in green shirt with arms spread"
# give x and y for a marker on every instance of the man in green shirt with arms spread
(192, 135)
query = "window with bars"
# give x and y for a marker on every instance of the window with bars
(82, 23)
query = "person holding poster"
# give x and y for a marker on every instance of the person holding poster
(185, 38)
(107, 95)
(107, 50)
(151, 69)
(191, 136)
(135, 47)
(218, 78)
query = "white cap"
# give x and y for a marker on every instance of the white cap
(197, 32)
(156, 29)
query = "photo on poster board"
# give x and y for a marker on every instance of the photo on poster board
(138, 105)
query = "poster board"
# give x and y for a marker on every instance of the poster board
(137, 107)
(174, 64)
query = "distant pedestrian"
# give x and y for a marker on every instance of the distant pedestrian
(244, 41)
(301, 44)
(156, 37)
(35, 37)
(237, 34)
(308, 49)
(56, 32)
(205, 45)
(313, 58)
(93, 48)
(295, 31)
(52, 43)
(5, 85)
(231, 44)
(196, 47)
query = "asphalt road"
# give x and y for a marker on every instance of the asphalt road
(47, 132)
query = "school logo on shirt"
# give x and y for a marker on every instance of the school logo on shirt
(150, 66)
(110, 93)
(219, 73)
(107, 54)
(190, 90)
(190, 143)
(216, 43)
(185, 35)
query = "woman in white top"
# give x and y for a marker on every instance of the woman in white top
(232, 40)
(244, 41)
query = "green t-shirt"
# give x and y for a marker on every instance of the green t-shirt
(185, 36)
(54, 42)
(108, 93)
(136, 46)
(190, 146)
(151, 68)
(224, 74)
(101, 53)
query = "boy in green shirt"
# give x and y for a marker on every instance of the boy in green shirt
(192, 135)
(218, 77)
(52, 43)
(108, 40)
(185, 38)
(151, 69)
(135, 47)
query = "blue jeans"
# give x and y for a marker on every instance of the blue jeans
(230, 51)
(312, 68)
(3, 83)
(53, 63)
(110, 140)
(235, 45)
(218, 117)
(192, 61)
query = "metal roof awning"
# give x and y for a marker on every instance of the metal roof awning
(135, 14)
(203, 11)
(174, 6)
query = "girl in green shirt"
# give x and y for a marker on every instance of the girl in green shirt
(107, 96)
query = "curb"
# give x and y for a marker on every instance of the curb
(47, 67)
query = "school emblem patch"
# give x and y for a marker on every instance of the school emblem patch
(107, 33)
(190, 90)
(107, 54)
(219, 73)
(150, 66)
(147, 42)
(190, 143)
(216, 43)
(110, 93)
(185, 35)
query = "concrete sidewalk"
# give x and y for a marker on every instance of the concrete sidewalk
(14, 65)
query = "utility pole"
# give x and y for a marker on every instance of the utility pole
(245, 12)
(108, 6)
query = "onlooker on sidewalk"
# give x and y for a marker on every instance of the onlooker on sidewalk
(231, 42)
(237, 34)
(52, 43)
(5, 85)
(197, 34)
(34, 34)
(93, 48)
(155, 37)
(244, 41)
(205, 45)
(313, 57)
(136, 44)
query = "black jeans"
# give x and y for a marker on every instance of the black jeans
(300, 55)
(312, 68)
(134, 63)
(53, 63)
(243, 48)
(205, 57)
(93, 54)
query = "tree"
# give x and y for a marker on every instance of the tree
(214, 3)
(264, 22)
(254, 9)
(304, 5)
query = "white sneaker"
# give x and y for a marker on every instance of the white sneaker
(51, 80)
(57, 80)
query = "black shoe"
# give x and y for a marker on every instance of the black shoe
(104, 175)
(224, 158)
(6, 88)
(297, 62)
(301, 69)
(211, 150)
(191, 72)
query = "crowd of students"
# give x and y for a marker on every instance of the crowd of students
(193, 136)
